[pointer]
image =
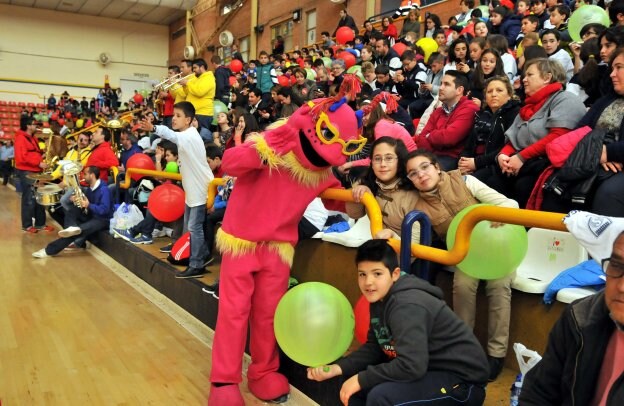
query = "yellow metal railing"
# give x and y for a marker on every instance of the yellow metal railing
(527, 218)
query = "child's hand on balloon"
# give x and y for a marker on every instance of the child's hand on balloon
(324, 372)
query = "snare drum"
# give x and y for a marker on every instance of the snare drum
(49, 194)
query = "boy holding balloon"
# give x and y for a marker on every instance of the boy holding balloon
(417, 349)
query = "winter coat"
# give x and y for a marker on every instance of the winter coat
(488, 134)
(568, 373)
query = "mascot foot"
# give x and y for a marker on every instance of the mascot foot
(225, 395)
(272, 387)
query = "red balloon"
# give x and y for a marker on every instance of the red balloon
(344, 35)
(348, 57)
(68, 115)
(399, 47)
(140, 161)
(166, 202)
(138, 98)
(54, 117)
(232, 80)
(283, 81)
(362, 319)
(236, 65)
(61, 121)
(293, 80)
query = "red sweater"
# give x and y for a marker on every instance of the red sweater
(27, 152)
(445, 134)
(104, 158)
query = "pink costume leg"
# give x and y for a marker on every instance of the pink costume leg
(236, 286)
(271, 282)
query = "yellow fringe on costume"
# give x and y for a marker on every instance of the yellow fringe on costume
(234, 246)
(266, 153)
(303, 175)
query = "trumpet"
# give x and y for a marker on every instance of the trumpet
(174, 82)
(44, 131)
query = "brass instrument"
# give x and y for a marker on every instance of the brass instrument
(71, 171)
(176, 81)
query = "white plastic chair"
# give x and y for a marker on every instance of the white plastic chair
(569, 295)
(549, 253)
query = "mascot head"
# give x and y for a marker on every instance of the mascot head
(328, 133)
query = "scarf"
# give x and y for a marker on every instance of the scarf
(535, 102)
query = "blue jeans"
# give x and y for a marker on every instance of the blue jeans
(204, 127)
(30, 207)
(194, 219)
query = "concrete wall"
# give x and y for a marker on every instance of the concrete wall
(49, 47)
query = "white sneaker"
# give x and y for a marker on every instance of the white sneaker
(40, 254)
(69, 232)
(158, 233)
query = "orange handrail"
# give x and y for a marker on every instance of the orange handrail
(527, 218)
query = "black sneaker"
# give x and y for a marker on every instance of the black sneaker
(496, 366)
(191, 272)
(167, 248)
(212, 289)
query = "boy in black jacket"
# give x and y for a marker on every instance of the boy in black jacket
(417, 349)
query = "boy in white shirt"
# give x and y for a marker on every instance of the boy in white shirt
(196, 175)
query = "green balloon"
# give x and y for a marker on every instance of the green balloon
(218, 107)
(310, 75)
(327, 61)
(37, 117)
(586, 15)
(485, 11)
(493, 252)
(172, 167)
(314, 324)
(357, 71)
(44, 118)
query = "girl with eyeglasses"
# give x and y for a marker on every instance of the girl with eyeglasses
(385, 178)
(441, 196)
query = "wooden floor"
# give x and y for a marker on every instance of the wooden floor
(75, 332)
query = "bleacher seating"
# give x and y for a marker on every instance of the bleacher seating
(549, 253)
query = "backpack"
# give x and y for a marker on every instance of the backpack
(181, 251)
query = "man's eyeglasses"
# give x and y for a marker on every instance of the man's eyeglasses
(613, 269)
(423, 168)
(377, 160)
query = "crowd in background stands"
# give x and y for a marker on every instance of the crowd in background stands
(533, 116)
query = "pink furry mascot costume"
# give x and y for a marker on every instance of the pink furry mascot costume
(279, 172)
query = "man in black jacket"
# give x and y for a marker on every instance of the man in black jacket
(346, 21)
(222, 79)
(583, 363)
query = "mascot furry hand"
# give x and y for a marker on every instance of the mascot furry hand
(279, 172)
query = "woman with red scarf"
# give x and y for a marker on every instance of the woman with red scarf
(548, 112)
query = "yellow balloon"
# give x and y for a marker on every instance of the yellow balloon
(79, 123)
(428, 45)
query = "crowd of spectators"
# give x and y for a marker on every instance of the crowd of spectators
(502, 99)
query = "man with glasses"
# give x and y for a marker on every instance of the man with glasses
(584, 361)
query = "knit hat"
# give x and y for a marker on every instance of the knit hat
(596, 233)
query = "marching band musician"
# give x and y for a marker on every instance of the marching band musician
(200, 92)
(167, 97)
(102, 154)
(79, 153)
(91, 214)
(29, 160)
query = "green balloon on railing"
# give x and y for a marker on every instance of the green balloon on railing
(172, 167)
(494, 252)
